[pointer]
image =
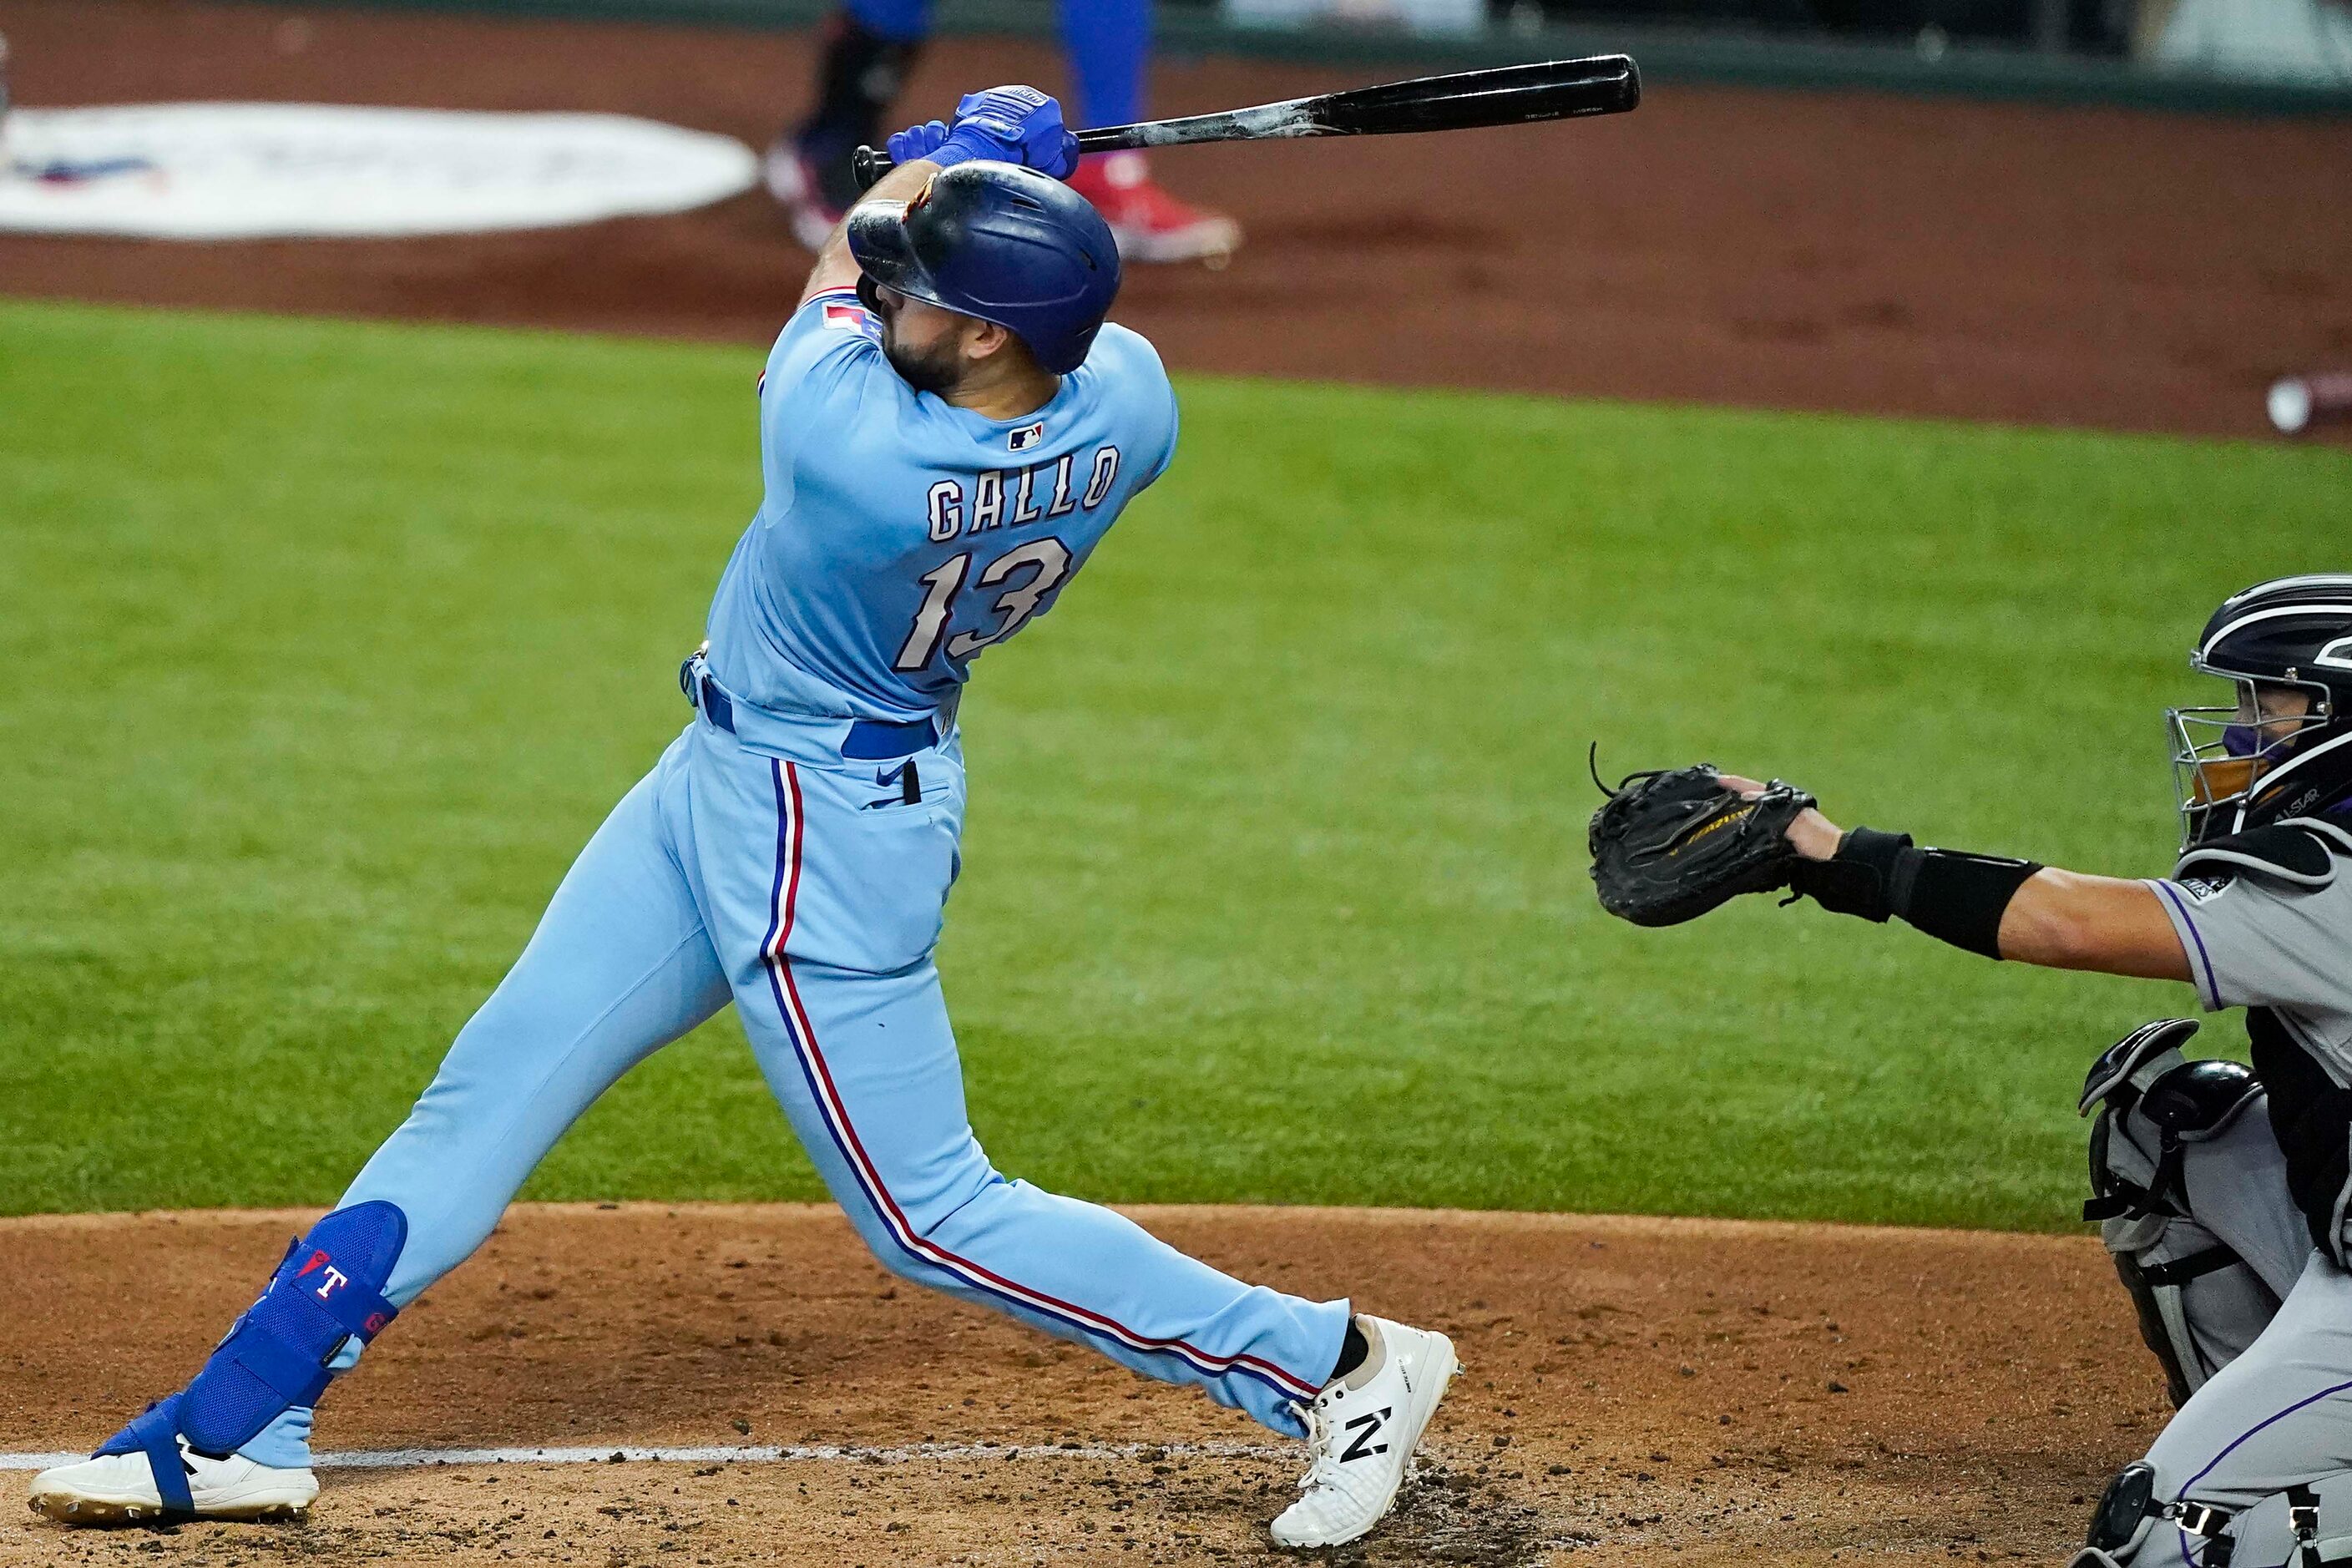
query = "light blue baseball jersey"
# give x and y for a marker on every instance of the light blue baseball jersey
(900, 535)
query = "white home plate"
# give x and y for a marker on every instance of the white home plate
(248, 171)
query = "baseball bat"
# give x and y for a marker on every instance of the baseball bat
(1505, 95)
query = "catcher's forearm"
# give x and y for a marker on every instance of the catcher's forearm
(1999, 906)
(2065, 920)
(1949, 894)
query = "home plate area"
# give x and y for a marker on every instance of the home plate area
(719, 1383)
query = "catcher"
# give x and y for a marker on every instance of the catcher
(2223, 1192)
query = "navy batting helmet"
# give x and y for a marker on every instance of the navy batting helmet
(1003, 243)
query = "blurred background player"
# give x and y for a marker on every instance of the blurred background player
(869, 45)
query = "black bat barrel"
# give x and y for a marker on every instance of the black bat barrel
(1506, 95)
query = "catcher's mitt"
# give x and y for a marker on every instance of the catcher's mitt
(1670, 845)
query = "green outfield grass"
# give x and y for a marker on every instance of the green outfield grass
(323, 647)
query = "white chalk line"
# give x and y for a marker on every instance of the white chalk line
(753, 1454)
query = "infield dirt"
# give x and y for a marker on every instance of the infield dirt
(1849, 251)
(1636, 1391)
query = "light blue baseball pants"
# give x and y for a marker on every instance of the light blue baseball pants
(809, 892)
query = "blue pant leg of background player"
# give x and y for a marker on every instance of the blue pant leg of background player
(825, 893)
(1108, 42)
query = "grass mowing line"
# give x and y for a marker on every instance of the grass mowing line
(753, 1454)
(328, 645)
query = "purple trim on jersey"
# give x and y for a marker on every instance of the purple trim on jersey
(2209, 986)
(2225, 1453)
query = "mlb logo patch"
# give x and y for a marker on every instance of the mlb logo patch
(1029, 436)
(846, 318)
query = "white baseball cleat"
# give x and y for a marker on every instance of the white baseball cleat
(1363, 1437)
(120, 1489)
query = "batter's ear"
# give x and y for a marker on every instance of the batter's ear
(986, 340)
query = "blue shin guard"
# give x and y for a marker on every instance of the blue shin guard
(327, 1292)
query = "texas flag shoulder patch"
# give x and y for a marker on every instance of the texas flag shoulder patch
(841, 310)
(1028, 435)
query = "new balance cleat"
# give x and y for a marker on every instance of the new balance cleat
(1363, 1436)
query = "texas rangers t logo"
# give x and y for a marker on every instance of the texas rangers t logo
(334, 1280)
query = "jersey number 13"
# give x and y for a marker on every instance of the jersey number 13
(1047, 562)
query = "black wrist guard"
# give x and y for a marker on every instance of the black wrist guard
(1863, 879)
(1951, 895)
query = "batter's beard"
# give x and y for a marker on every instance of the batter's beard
(937, 370)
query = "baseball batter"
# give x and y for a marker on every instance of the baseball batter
(2224, 1193)
(948, 429)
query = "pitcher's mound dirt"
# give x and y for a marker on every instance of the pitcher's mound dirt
(1637, 1391)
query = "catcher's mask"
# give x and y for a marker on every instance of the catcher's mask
(2265, 756)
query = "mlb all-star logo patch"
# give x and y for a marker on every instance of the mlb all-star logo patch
(1029, 436)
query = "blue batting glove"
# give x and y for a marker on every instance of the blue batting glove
(1016, 124)
(916, 142)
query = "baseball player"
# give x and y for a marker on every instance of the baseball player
(948, 429)
(869, 45)
(2224, 1192)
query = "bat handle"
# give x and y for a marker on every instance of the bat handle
(870, 163)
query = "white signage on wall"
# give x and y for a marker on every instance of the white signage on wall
(1439, 16)
(2274, 40)
(245, 171)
